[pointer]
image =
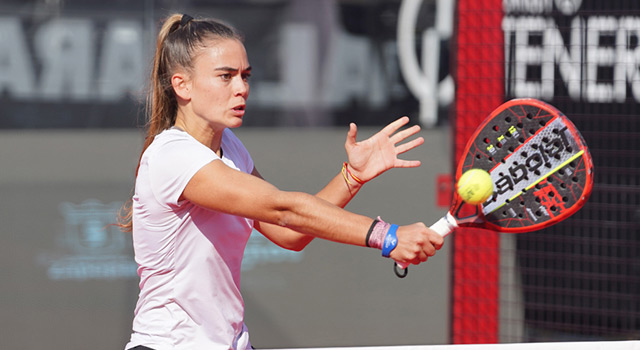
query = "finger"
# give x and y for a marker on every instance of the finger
(401, 163)
(429, 249)
(437, 241)
(404, 134)
(352, 134)
(395, 125)
(423, 256)
(409, 145)
(420, 259)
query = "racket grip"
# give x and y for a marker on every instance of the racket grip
(443, 227)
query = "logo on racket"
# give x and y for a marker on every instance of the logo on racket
(545, 153)
(550, 199)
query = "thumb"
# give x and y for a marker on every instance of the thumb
(351, 135)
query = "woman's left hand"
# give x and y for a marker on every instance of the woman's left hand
(379, 153)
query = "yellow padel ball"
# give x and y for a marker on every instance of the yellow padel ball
(475, 186)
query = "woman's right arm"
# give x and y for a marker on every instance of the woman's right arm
(221, 188)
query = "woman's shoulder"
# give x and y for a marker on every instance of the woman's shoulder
(173, 135)
(174, 141)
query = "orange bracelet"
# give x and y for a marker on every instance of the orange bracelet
(346, 168)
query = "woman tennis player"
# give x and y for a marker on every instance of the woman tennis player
(198, 195)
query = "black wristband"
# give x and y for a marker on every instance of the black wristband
(371, 230)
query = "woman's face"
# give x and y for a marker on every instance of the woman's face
(219, 83)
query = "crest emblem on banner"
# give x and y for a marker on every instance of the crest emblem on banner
(89, 228)
(90, 246)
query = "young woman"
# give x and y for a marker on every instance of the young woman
(198, 195)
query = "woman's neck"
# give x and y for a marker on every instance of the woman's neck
(203, 134)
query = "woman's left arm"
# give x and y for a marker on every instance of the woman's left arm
(367, 160)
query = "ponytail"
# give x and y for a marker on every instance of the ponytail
(179, 39)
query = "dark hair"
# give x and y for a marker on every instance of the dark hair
(179, 40)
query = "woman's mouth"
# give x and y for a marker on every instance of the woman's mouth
(238, 110)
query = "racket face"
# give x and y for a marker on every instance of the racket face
(540, 166)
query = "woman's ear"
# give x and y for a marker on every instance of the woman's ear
(181, 85)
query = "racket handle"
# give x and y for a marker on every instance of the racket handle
(443, 227)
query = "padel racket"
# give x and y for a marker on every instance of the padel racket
(541, 169)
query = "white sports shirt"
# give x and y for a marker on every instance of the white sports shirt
(189, 257)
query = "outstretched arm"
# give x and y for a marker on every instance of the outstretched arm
(221, 188)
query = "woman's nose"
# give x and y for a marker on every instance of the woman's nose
(241, 87)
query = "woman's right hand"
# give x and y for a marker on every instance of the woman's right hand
(416, 243)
